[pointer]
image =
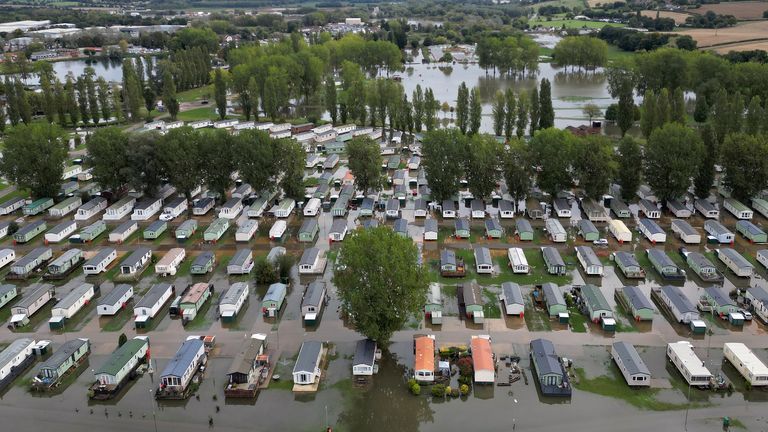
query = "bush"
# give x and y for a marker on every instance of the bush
(415, 389)
(12, 228)
(455, 392)
(465, 366)
(284, 265)
(465, 380)
(411, 382)
(266, 273)
(122, 339)
(448, 391)
(438, 390)
(464, 389)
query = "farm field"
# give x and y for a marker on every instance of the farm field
(679, 17)
(558, 23)
(745, 32)
(745, 46)
(741, 10)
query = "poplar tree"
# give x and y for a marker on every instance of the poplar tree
(462, 108)
(509, 113)
(546, 111)
(533, 107)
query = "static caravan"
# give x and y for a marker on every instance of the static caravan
(689, 364)
(483, 363)
(703, 267)
(556, 231)
(554, 299)
(632, 367)
(433, 308)
(424, 358)
(284, 208)
(149, 305)
(36, 207)
(4, 225)
(313, 207)
(91, 208)
(533, 209)
(706, 208)
(123, 231)
(194, 299)
(620, 231)
(747, 363)
(259, 206)
(68, 188)
(589, 261)
(216, 230)
(594, 211)
(483, 260)
(200, 124)
(203, 263)
(146, 208)
(115, 301)
(450, 265)
(751, 232)
(312, 261)
(339, 229)
(523, 230)
(687, 233)
(30, 262)
(512, 297)
(645, 192)
(89, 233)
(561, 207)
(241, 263)
(64, 264)
(640, 306)
(203, 206)
(312, 302)
(364, 360)
(649, 209)
(29, 231)
(620, 208)
(31, 302)
(174, 208)
(155, 230)
(392, 209)
(506, 209)
(308, 231)
(231, 209)
(247, 230)
(762, 257)
(136, 262)
(588, 231)
(67, 357)
(6, 257)
(550, 373)
(307, 371)
(420, 208)
(478, 209)
(15, 359)
(182, 367)
(517, 261)
(595, 304)
(65, 207)
(448, 209)
(60, 232)
(225, 124)
(431, 230)
(679, 209)
(331, 161)
(232, 301)
(70, 305)
(493, 229)
(277, 230)
(758, 299)
(11, 205)
(761, 206)
(678, 304)
(553, 261)
(736, 208)
(736, 262)
(99, 262)
(186, 230)
(170, 262)
(414, 162)
(719, 232)
(71, 171)
(272, 301)
(652, 231)
(8, 292)
(664, 264)
(719, 301)
(120, 209)
(366, 207)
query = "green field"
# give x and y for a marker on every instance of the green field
(574, 24)
(196, 94)
(202, 113)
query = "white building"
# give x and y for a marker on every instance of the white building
(115, 301)
(99, 262)
(689, 364)
(120, 209)
(747, 363)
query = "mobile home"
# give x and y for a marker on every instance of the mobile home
(707, 209)
(91, 208)
(556, 231)
(29, 231)
(517, 261)
(89, 233)
(364, 360)
(155, 230)
(689, 364)
(31, 302)
(180, 370)
(194, 299)
(523, 230)
(247, 230)
(60, 232)
(30, 262)
(420, 208)
(478, 209)
(461, 228)
(506, 209)
(652, 231)
(594, 211)
(588, 231)
(170, 262)
(736, 208)
(123, 231)
(664, 264)
(758, 299)
(589, 261)
(392, 209)
(736, 262)
(120, 209)
(553, 261)
(231, 209)
(433, 307)
(70, 305)
(99, 262)
(595, 304)
(115, 301)
(4, 225)
(232, 301)
(11, 205)
(136, 262)
(678, 304)
(561, 207)
(761, 206)
(720, 233)
(15, 359)
(762, 257)
(449, 265)
(64, 263)
(632, 367)
(312, 302)
(638, 304)
(65, 207)
(554, 300)
(550, 373)
(149, 305)
(448, 209)
(71, 171)
(620, 231)
(306, 371)
(533, 209)
(512, 297)
(620, 208)
(216, 230)
(277, 230)
(186, 229)
(483, 363)
(339, 229)
(424, 358)
(273, 300)
(174, 208)
(430, 230)
(703, 267)
(627, 263)
(649, 209)
(312, 261)
(687, 233)
(203, 206)
(69, 355)
(751, 232)
(36, 207)
(8, 292)
(146, 208)
(203, 263)
(284, 208)
(241, 263)
(747, 363)
(493, 229)
(678, 209)
(719, 301)
(308, 231)
(483, 260)
(312, 208)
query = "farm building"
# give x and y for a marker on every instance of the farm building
(620, 208)
(60, 232)
(241, 263)
(534, 209)
(719, 232)
(32, 300)
(36, 207)
(523, 230)
(594, 211)
(678, 304)
(595, 304)
(231, 209)
(493, 229)
(649, 209)
(678, 209)
(8, 292)
(589, 261)
(136, 262)
(553, 261)
(747, 363)
(194, 299)
(169, 263)
(203, 206)
(232, 301)
(478, 209)
(758, 298)
(246, 230)
(448, 209)
(483, 362)
(664, 264)
(15, 359)
(689, 364)
(11, 205)
(91, 208)
(308, 231)
(751, 232)
(67, 357)
(719, 301)
(627, 263)
(706, 208)
(512, 297)
(364, 360)
(473, 302)
(179, 371)
(31, 262)
(430, 229)
(450, 265)
(115, 301)
(684, 230)
(517, 261)
(65, 263)
(306, 371)
(312, 302)
(588, 231)
(174, 208)
(155, 230)
(556, 231)
(29, 231)
(99, 262)
(652, 231)
(424, 358)
(550, 373)
(71, 304)
(561, 207)
(89, 233)
(120, 364)
(6, 257)
(186, 230)
(216, 230)
(620, 231)
(638, 304)
(736, 208)
(284, 208)
(203, 263)
(632, 367)
(703, 267)
(149, 305)
(312, 261)
(65, 207)
(146, 208)
(483, 260)
(123, 231)
(506, 209)
(120, 209)
(273, 299)
(277, 230)
(461, 228)
(736, 262)
(554, 300)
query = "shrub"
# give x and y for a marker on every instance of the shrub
(464, 389)
(455, 392)
(415, 389)
(465, 380)
(284, 265)
(12, 228)
(448, 391)
(411, 382)
(265, 271)
(438, 390)
(465, 366)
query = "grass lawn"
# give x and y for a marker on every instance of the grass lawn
(117, 322)
(577, 320)
(202, 113)
(491, 308)
(616, 54)
(205, 316)
(196, 94)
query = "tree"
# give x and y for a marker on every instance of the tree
(365, 162)
(71, 101)
(509, 113)
(648, 119)
(378, 299)
(61, 103)
(706, 174)
(257, 163)
(220, 93)
(276, 92)
(475, 111)
(179, 152)
(701, 110)
(517, 170)
(217, 150)
(265, 271)
(33, 158)
(591, 111)
(441, 148)
(594, 165)
(49, 99)
(103, 96)
(552, 149)
(534, 110)
(745, 164)
(499, 113)
(150, 100)
(145, 172)
(330, 98)
(170, 101)
(630, 161)
(546, 112)
(93, 99)
(625, 112)
(132, 91)
(253, 92)
(482, 164)
(122, 340)
(672, 157)
(430, 110)
(82, 99)
(522, 113)
(117, 103)
(22, 100)
(677, 106)
(754, 118)
(108, 155)
(462, 108)
(663, 109)
(291, 161)
(418, 108)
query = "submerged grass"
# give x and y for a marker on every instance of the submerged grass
(614, 387)
(577, 320)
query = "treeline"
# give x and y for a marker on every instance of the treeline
(631, 40)
(513, 113)
(511, 55)
(711, 19)
(582, 52)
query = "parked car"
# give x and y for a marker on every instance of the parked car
(600, 242)
(747, 315)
